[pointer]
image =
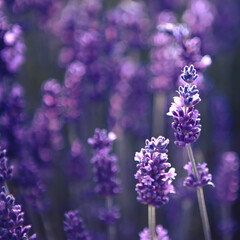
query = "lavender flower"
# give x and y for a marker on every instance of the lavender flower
(73, 226)
(109, 216)
(186, 119)
(102, 140)
(162, 234)
(204, 177)
(227, 178)
(11, 219)
(105, 170)
(5, 171)
(189, 74)
(155, 183)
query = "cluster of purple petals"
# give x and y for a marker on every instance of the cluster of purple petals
(227, 178)
(12, 47)
(76, 162)
(102, 140)
(162, 234)
(130, 102)
(11, 117)
(11, 219)
(105, 171)
(155, 183)
(109, 216)
(29, 178)
(173, 47)
(186, 119)
(5, 171)
(204, 177)
(73, 226)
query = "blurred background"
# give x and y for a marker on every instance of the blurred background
(69, 67)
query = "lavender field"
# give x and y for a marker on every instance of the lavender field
(119, 120)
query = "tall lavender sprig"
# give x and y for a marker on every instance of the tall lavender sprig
(155, 182)
(187, 129)
(73, 226)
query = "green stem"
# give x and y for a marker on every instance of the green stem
(200, 196)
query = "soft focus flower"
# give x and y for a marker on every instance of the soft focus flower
(227, 178)
(5, 171)
(204, 177)
(155, 183)
(162, 234)
(109, 216)
(73, 226)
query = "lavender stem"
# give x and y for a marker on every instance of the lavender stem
(200, 195)
(111, 230)
(151, 222)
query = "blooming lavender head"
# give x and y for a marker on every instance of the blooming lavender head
(155, 183)
(105, 170)
(204, 177)
(189, 74)
(11, 219)
(109, 216)
(102, 140)
(162, 234)
(73, 226)
(5, 171)
(227, 178)
(186, 121)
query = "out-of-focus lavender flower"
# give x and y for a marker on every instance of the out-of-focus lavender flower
(11, 219)
(204, 177)
(227, 178)
(105, 170)
(72, 100)
(5, 171)
(29, 179)
(11, 117)
(162, 234)
(102, 140)
(12, 47)
(128, 26)
(73, 226)
(76, 162)
(227, 227)
(109, 216)
(155, 183)
(186, 119)
(130, 103)
(173, 48)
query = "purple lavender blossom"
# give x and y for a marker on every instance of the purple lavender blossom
(227, 178)
(204, 177)
(109, 216)
(102, 140)
(105, 170)
(186, 119)
(189, 74)
(11, 219)
(155, 183)
(76, 162)
(162, 234)
(12, 47)
(73, 226)
(5, 171)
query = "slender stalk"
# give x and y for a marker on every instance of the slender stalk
(200, 196)
(111, 229)
(152, 222)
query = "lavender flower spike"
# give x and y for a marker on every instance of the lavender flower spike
(5, 172)
(189, 74)
(155, 183)
(11, 219)
(186, 119)
(204, 177)
(74, 228)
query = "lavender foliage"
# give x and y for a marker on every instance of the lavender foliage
(155, 183)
